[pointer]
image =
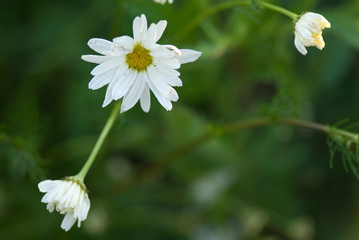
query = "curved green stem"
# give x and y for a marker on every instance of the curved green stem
(154, 166)
(208, 12)
(336, 131)
(276, 8)
(226, 5)
(81, 175)
(256, 122)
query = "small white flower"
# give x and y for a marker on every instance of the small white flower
(68, 197)
(164, 1)
(308, 31)
(133, 66)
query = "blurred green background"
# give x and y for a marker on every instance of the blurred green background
(270, 183)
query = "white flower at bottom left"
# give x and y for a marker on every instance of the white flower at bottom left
(69, 197)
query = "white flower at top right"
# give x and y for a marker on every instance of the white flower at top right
(308, 31)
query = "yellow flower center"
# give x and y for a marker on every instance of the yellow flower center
(139, 59)
(318, 39)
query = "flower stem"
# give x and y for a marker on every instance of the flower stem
(336, 131)
(257, 122)
(278, 9)
(208, 12)
(226, 5)
(217, 131)
(82, 174)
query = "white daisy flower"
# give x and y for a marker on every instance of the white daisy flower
(133, 66)
(68, 197)
(164, 1)
(308, 31)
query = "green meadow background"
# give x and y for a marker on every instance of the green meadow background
(152, 178)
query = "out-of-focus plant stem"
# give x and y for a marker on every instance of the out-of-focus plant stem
(226, 5)
(216, 131)
(206, 13)
(281, 10)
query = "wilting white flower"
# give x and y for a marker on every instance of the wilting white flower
(164, 1)
(68, 197)
(308, 31)
(133, 66)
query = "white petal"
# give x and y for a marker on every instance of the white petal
(80, 205)
(173, 81)
(161, 51)
(60, 191)
(301, 48)
(161, 26)
(146, 99)
(124, 41)
(101, 80)
(172, 63)
(45, 198)
(165, 102)
(118, 73)
(65, 200)
(173, 96)
(75, 197)
(322, 20)
(46, 185)
(136, 25)
(106, 66)
(100, 45)
(140, 28)
(84, 208)
(157, 80)
(50, 206)
(95, 58)
(305, 34)
(68, 221)
(149, 42)
(170, 76)
(158, 89)
(167, 70)
(132, 97)
(123, 85)
(108, 96)
(50, 195)
(188, 55)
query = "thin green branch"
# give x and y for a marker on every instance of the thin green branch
(154, 166)
(208, 12)
(353, 136)
(81, 175)
(276, 8)
(226, 5)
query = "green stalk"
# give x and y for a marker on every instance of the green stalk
(281, 10)
(219, 130)
(208, 12)
(82, 174)
(226, 5)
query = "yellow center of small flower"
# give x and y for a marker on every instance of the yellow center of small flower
(139, 59)
(318, 39)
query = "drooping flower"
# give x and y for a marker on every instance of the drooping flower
(133, 66)
(69, 197)
(164, 1)
(308, 31)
